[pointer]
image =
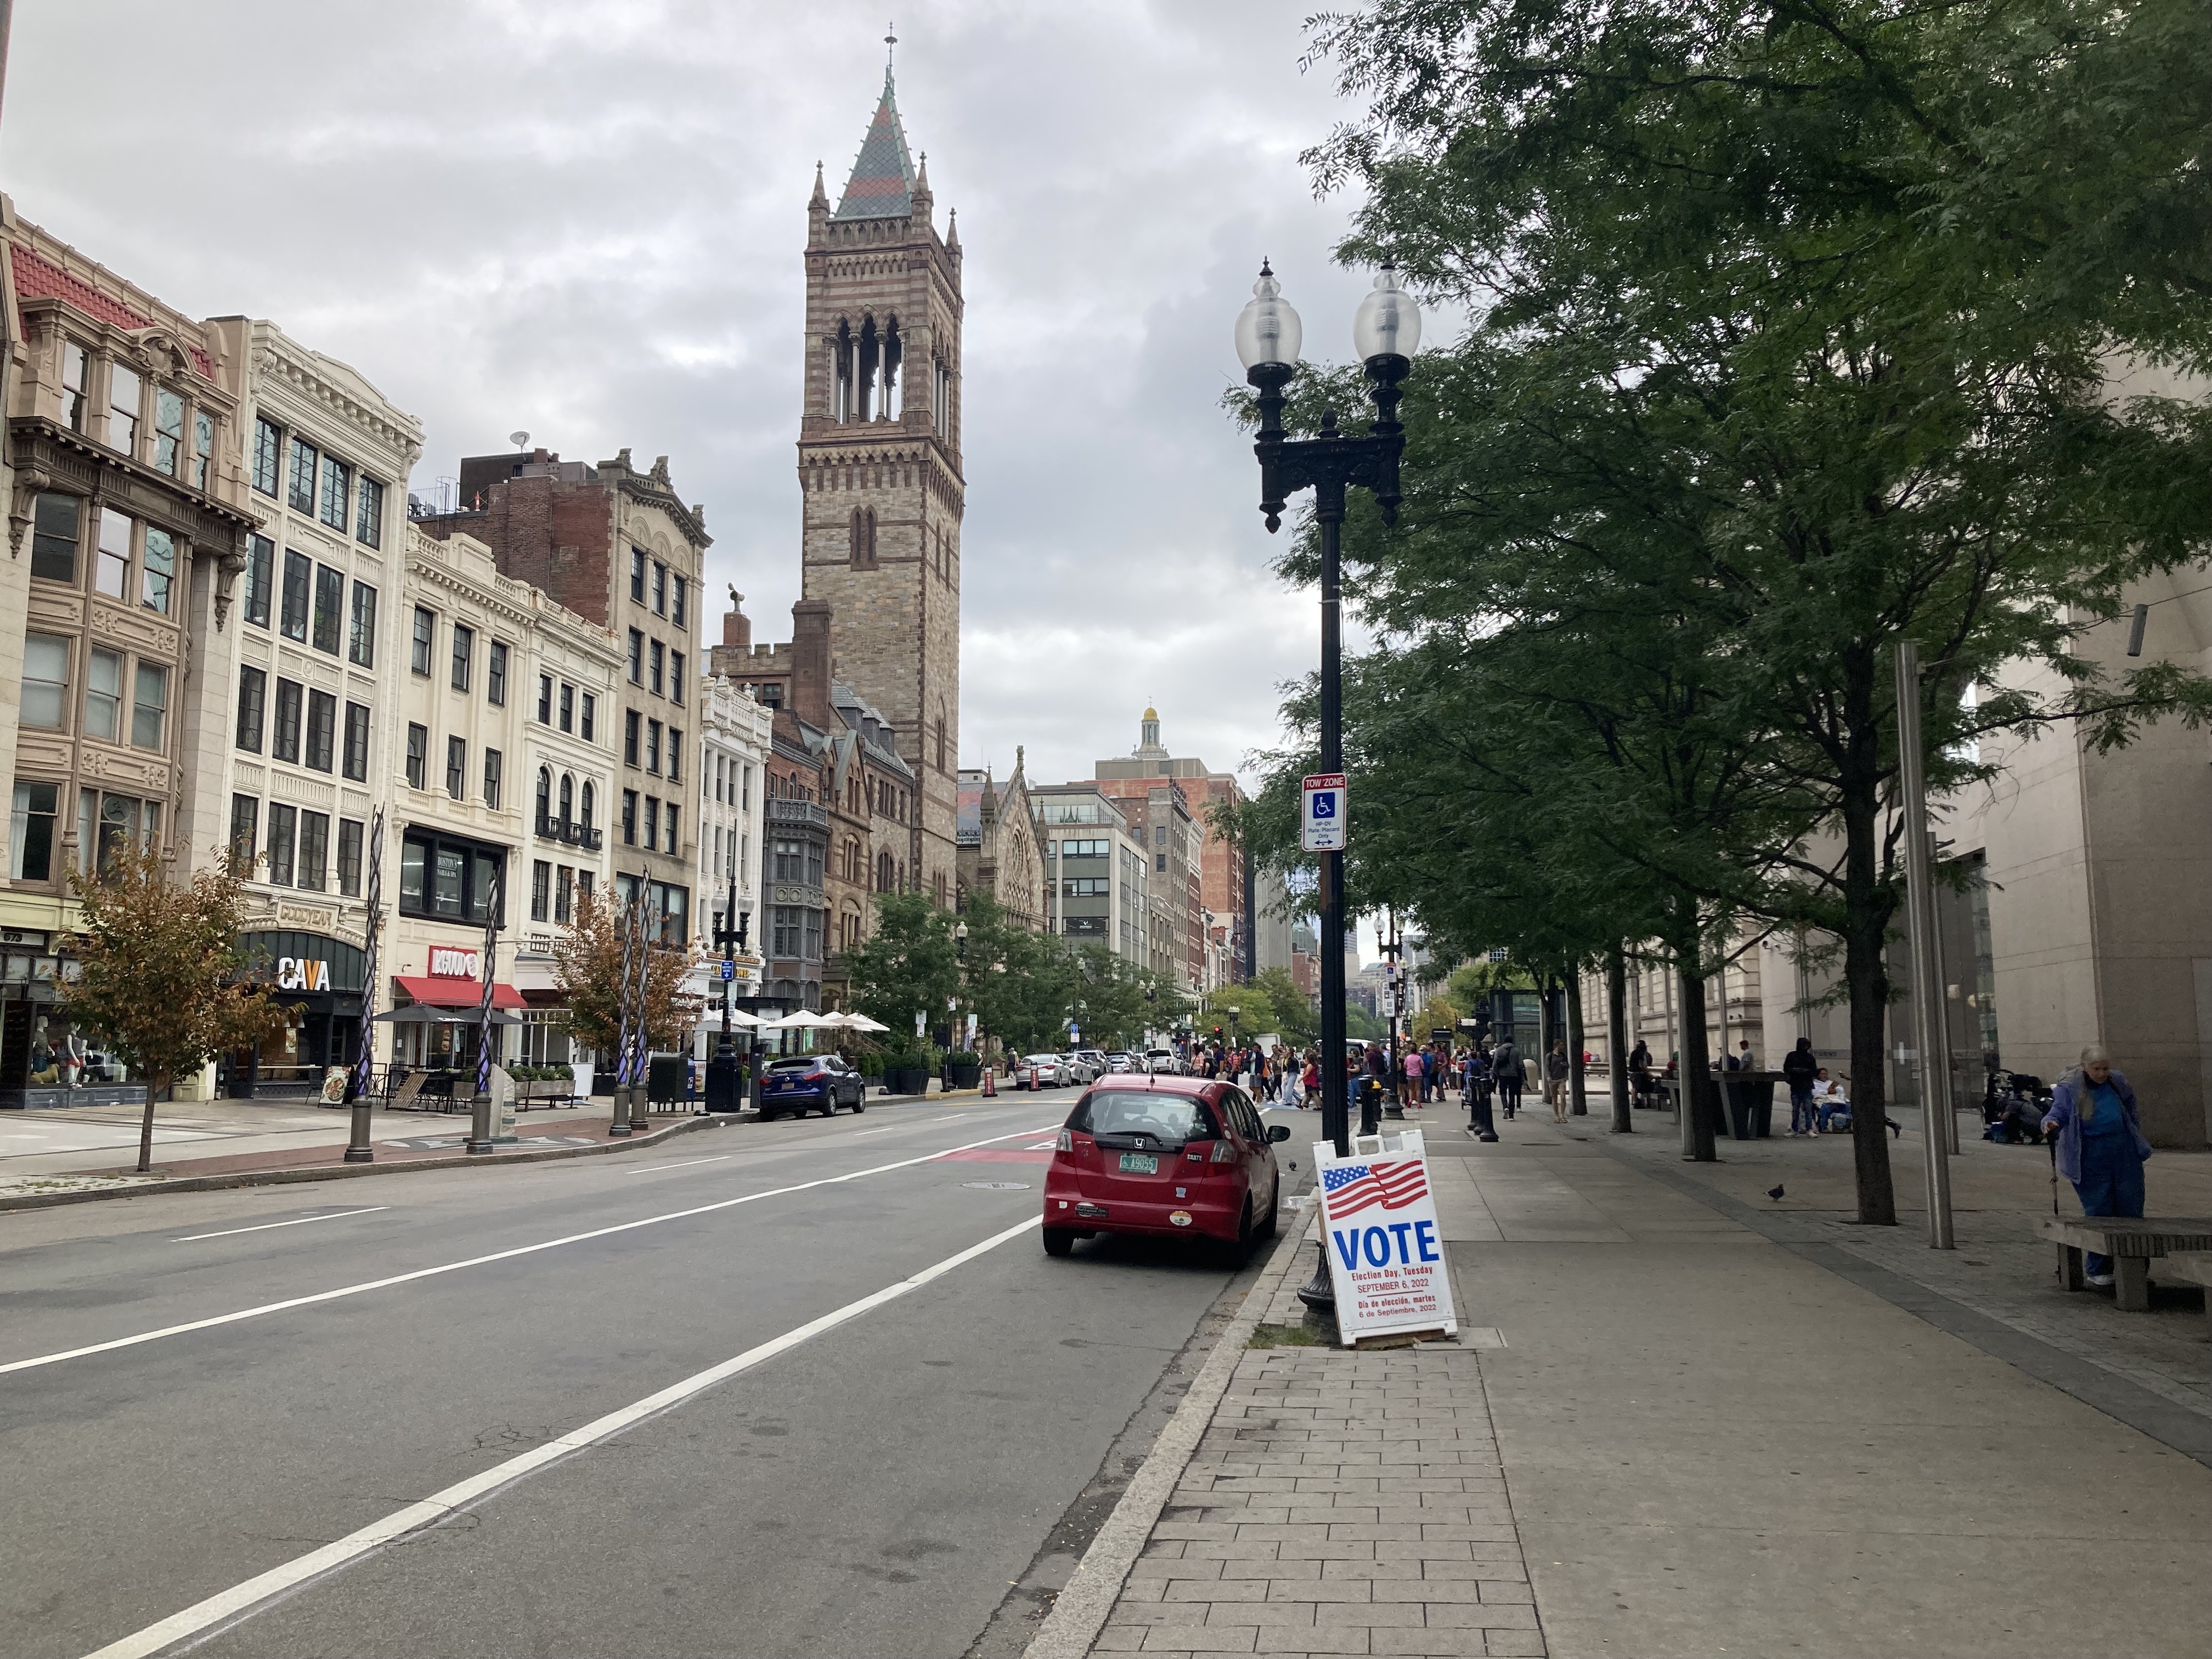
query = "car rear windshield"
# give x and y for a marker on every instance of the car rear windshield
(1147, 1114)
(802, 1063)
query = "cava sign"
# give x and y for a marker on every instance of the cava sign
(302, 973)
(446, 962)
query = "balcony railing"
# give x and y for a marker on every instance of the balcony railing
(568, 833)
(809, 812)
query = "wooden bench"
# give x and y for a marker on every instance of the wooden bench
(2131, 1242)
(2191, 1268)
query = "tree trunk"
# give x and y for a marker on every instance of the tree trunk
(1578, 1090)
(154, 1087)
(1616, 1025)
(1697, 1083)
(1868, 903)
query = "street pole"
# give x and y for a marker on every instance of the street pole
(1935, 1056)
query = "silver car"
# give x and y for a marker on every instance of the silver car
(1042, 1071)
(1086, 1066)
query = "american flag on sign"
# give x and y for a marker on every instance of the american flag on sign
(1351, 1187)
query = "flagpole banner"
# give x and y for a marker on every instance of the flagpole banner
(1385, 1251)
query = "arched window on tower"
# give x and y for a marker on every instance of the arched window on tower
(886, 872)
(940, 737)
(841, 363)
(894, 401)
(863, 539)
(870, 353)
(940, 397)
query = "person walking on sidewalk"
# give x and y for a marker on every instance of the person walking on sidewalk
(2101, 1147)
(1411, 1095)
(1556, 1065)
(1509, 1069)
(1798, 1067)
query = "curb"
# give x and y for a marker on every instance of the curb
(1080, 1611)
(213, 1183)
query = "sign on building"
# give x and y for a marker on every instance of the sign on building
(1323, 822)
(1386, 1254)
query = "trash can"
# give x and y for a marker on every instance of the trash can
(667, 1079)
(724, 1078)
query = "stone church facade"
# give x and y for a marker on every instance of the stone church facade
(879, 466)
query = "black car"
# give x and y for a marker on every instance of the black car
(805, 1083)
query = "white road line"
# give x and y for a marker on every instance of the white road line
(859, 1134)
(343, 1290)
(232, 1232)
(241, 1598)
(688, 1164)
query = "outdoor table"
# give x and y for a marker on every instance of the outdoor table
(2130, 1241)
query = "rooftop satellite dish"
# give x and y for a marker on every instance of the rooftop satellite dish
(518, 439)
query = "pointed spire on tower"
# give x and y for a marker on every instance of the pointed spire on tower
(952, 230)
(821, 197)
(882, 181)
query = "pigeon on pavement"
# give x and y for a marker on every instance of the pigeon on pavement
(1775, 1192)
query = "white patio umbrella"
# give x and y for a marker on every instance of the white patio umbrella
(804, 1020)
(861, 1023)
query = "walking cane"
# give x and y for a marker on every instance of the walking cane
(2051, 1146)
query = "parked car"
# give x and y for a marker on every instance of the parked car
(1163, 1158)
(803, 1083)
(1092, 1061)
(1118, 1062)
(1162, 1062)
(1041, 1072)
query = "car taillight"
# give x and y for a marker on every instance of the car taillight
(1225, 1151)
(1064, 1143)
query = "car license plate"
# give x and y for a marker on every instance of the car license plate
(1141, 1163)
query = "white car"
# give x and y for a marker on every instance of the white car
(1041, 1071)
(1162, 1062)
(1086, 1066)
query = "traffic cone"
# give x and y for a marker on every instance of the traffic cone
(990, 1082)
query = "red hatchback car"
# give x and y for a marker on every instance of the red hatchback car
(1163, 1156)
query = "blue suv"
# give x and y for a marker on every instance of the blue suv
(805, 1083)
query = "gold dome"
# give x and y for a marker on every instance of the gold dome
(1151, 714)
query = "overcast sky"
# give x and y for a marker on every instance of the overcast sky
(586, 220)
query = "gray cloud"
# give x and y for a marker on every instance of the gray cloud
(586, 220)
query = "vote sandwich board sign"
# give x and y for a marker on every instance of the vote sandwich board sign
(1323, 825)
(1386, 1254)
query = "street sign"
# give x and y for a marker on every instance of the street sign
(1323, 825)
(729, 971)
(1385, 1256)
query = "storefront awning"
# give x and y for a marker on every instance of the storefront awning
(456, 993)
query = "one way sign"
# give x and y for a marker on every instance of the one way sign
(1323, 826)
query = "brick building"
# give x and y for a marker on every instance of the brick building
(1216, 864)
(999, 852)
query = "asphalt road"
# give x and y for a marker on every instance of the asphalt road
(789, 1446)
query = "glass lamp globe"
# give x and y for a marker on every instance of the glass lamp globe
(1388, 323)
(1267, 329)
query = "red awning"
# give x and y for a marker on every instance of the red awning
(456, 993)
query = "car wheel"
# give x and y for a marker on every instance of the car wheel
(860, 1103)
(1274, 1209)
(1059, 1241)
(1240, 1251)
(830, 1102)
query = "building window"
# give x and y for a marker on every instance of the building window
(103, 694)
(53, 537)
(678, 608)
(337, 491)
(356, 742)
(544, 798)
(790, 861)
(322, 729)
(301, 497)
(491, 779)
(630, 817)
(168, 431)
(564, 886)
(659, 588)
(568, 708)
(260, 577)
(545, 699)
(654, 685)
(253, 691)
(349, 838)
(637, 574)
(591, 805)
(203, 448)
(464, 643)
(76, 367)
(636, 658)
(457, 768)
(1160, 862)
(299, 571)
(121, 823)
(286, 743)
(244, 832)
(675, 754)
(633, 722)
(673, 905)
(653, 824)
(330, 608)
(268, 447)
(590, 717)
(541, 889)
(368, 517)
(784, 937)
(426, 636)
(314, 850)
(114, 573)
(446, 877)
(495, 676)
(653, 747)
(418, 754)
(31, 831)
(361, 647)
(150, 706)
(676, 677)
(283, 831)
(124, 395)
(674, 839)
(157, 571)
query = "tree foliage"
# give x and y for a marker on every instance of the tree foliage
(159, 977)
(587, 966)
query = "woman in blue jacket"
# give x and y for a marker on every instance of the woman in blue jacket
(2101, 1147)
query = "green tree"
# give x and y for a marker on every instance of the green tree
(908, 966)
(1807, 311)
(160, 978)
(588, 970)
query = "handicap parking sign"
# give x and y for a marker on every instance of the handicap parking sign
(1322, 828)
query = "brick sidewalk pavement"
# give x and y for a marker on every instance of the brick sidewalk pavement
(1340, 1503)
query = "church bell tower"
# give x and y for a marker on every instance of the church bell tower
(879, 464)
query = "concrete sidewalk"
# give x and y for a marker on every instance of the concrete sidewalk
(1699, 1433)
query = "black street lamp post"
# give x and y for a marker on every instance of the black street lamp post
(1385, 331)
(722, 1091)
